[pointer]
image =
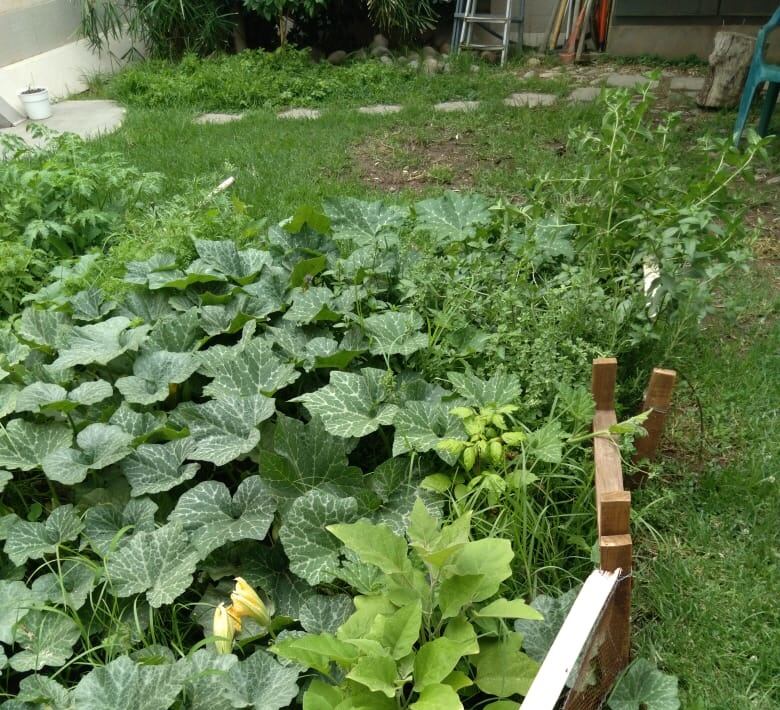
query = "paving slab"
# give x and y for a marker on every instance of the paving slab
(530, 100)
(298, 113)
(380, 109)
(585, 94)
(686, 83)
(87, 119)
(629, 81)
(449, 106)
(218, 118)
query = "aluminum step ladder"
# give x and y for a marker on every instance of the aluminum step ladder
(496, 25)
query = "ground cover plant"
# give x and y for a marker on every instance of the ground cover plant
(59, 201)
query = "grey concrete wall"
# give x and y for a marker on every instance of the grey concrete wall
(675, 41)
(30, 27)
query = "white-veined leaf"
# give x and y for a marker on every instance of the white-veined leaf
(316, 303)
(16, 600)
(70, 586)
(154, 468)
(313, 552)
(263, 683)
(643, 686)
(90, 305)
(421, 426)
(207, 683)
(226, 428)
(364, 222)
(353, 404)
(213, 518)
(395, 333)
(47, 639)
(154, 373)
(27, 540)
(124, 685)
(100, 342)
(454, 216)
(160, 563)
(110, 524)
(100, 445)
(499, 390)
(24, 445)
(44, 327)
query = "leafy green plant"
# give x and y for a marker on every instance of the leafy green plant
(282, 11)
(59, 201)
(427, 625)
(642, 685)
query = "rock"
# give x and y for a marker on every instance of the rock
(218, 118)
(445, 47)
(530, 100)
(534, 62)
(386, 59)
(379, 41)
(629, 81)
(401, 61)
(585, 94)
(337, 57)
(552, 74)
(430, 66)
(429, 52)
(380, 109)
(308, 113)
(414, 64)
(490, 57)
(687, 83)
(380, 52)
(474, 68)
(447, 68)
(529, 75)
(360, 55)
(450, 106)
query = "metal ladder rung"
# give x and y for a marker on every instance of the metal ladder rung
(465, 19)
(485, 18)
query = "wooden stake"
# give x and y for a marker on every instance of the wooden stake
(616, 551)
(604, 374)
(657, 398)
(614, 513)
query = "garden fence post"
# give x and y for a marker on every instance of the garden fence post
(657, 399)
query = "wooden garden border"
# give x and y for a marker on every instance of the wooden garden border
(598, 627)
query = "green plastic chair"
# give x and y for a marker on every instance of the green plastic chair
(760, 72)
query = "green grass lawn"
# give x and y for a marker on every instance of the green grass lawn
(707, 559)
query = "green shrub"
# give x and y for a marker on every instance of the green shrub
(59, 201)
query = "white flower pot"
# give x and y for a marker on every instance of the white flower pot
(36, 103)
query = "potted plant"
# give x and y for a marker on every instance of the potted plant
(36, 103)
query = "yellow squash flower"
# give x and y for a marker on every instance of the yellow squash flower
(223, 629)
(246, 602)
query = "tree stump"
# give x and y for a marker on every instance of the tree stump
(729, 64)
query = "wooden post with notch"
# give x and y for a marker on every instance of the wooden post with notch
(658, 397)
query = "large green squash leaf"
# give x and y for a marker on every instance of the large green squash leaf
(322, 613)
(261, 682)
(213, 518)
(160, 563)
(353, 404)
(69, 587)
(100, 445)
(100, 343)
(224, 429)
(16, 600)
(43, 327)
(46, 638)
(48, 397)
(207, 684)
(43, 693)
(312, 550)
(421, 426)
(154, 373)
(364, 223)
(396, 333)
(124, 685)
(155, 468)
(24, 445)
(643, 687)
(27, 540)
(90, 305)
(316, 303)
(249, 370)
(454, 216)
(176, 334)
(224, 258)
(499, 390)
(306, 456)
(107, 525)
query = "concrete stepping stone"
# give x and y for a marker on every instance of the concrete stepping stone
(450, 106)
(629, 81)
(298, 113)
(380, 109)
(686, 83)
(585, 94)
(87, 119)
(218, 118)
(531, 100)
